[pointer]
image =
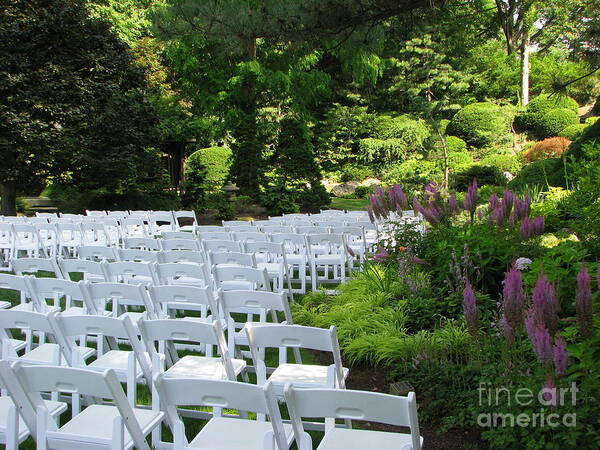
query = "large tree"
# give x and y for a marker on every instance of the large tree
(72, 100)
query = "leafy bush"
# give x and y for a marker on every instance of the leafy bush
(352, 172)
(540, 174)
(363, 191)
(504, 161)
(539, 106)
(411, 173)
(459, 161)
(548, 148)
(455, 144)
(206, 172)
(480, 124)
(591, 120)
(572, 132)
(485, 175)
(554, 121)
(590, 134)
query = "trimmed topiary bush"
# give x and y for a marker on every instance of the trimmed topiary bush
(540, 174)
(546, 102)
(480, 124)
(548, 148)
(591, 133)
(504, 162)
(485, 175)
(572, 132)
(455, 144)
(554, 121)
(208, 168)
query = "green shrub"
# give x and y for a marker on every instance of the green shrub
(411, 173)
(504, 161)
(382, 151)
(208, 168)
(480, 124)
(455, 144)
(540, 174)
(572, 132)
(591, 133)
(546, 102)
(591, 120)
(363, 191)
(485, 175)
(351, 172)
(554, 121)
(458, 161)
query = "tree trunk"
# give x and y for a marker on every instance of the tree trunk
(525, 70)
(8, 204)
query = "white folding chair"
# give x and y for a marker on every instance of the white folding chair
(296, 255)
(296, 336)
(250, 236)
(91, 271)
(95, 213)
(140, 214)
(231, 259)
(183, 274)
(215, 236)
(48, 238)
(118, 214)
(185, 220)
(53, 290)
(180, 244)
(46, 215)
(121, 296)
(131, 366)
(227, 223)
(141, 243)
(114, 425)
(355, 241)
(276, 229)
(113, 229)
(178, 235)
(172, 298)
(70, 237)
(98, 253)
(17, 289)
(94, 233)
(312, 230)
(134, 227)
(159, 221)
(7, 244)
(175, 256)
(222, 246)
(25, 239)
(332, 404)
(224, 432)
(71, 217)
(271, 256)
(328, 254)
(231, 278)
(241, 228)
(209, 229)
(137, 255)
(32, 266)
(13, 429)
(131, 272)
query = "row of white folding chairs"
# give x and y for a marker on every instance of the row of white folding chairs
(120, 426)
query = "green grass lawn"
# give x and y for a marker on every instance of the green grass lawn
(350, 204)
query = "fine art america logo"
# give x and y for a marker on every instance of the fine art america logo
(547, 398)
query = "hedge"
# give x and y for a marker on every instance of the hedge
(554, 121)
(480, 124)
(208, 168)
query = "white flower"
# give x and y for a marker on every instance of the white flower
(523, 263)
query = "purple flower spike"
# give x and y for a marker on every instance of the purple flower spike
(542, 344)
(398, 197)
(371, 215)
(350, 251)
(561, 356)
(508, 199)
(471, 197)
(381, 256)
(453, 204)
(494, 202)
(545, 303)
(513, 302)
(583, 302)
(526, 228)
(538, 225)
(470, 308)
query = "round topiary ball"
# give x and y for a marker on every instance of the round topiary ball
(480, 124)
(546, 102)
(554, 121)
(455, 144)
(572, 132)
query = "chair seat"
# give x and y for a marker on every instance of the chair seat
(4, 305)
(302, 374)
(47, 353)
(5, 403)
(203, 367)
(292, 258)
(96, 421)
(351, 439)
(116, 360)
(272, 268)
(225, 433)
(328, 259)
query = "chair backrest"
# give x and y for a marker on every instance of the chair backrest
(12, 319)
(137, 255)
(134, 227)
(46, 214)
(352, 405)
(293, 243)
(230, 275)
(128, 271)
(184, 298)
(231, 258)
(94, 233)
(189, 217)
(227, 223)
(95, 213)
(139, 214)
(169, 330)
(43, 289)
(222, 246)
(250, 236)
(24, 233)
(209, 229)
(23, 266)
(180, 244)
(328, 243)
(245, 301)
(87, 268)
(178, 235)
(161, 220)
(141, 243)
(241, 228)
(98, 253)
(120, 214)
(332, 211)
(75, 381)
(14, 283)
(176, 256)
(312, 230)
(99, 293)
(171, 273)
(271, 249)
(215, 236)
(175, 392)
(276, 229)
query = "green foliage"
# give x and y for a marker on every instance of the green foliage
(480, 124)
(532, 119)
(206, 171)
(590, 135)
(293, 180)
(455, 144)
(572, 132)
(554, 121)
(485, 175)
(352, 172)
(543, 173)
(505, 162)
(412, 173)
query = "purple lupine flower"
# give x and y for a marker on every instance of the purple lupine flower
(398, 197)
(545, 303)
(513, 302)
(561, 356)
(370, 213)
(378, 209)
(381, 256)
(508, 199)
(350, 251)
(542, 343)
(583, 302)
(550, 394)
(470, 308)
(470, 202)
(453, 204)
(417, 206)
(431, 214)
(420, 261)
(538, 225)
(494, 202)
(526, 228)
